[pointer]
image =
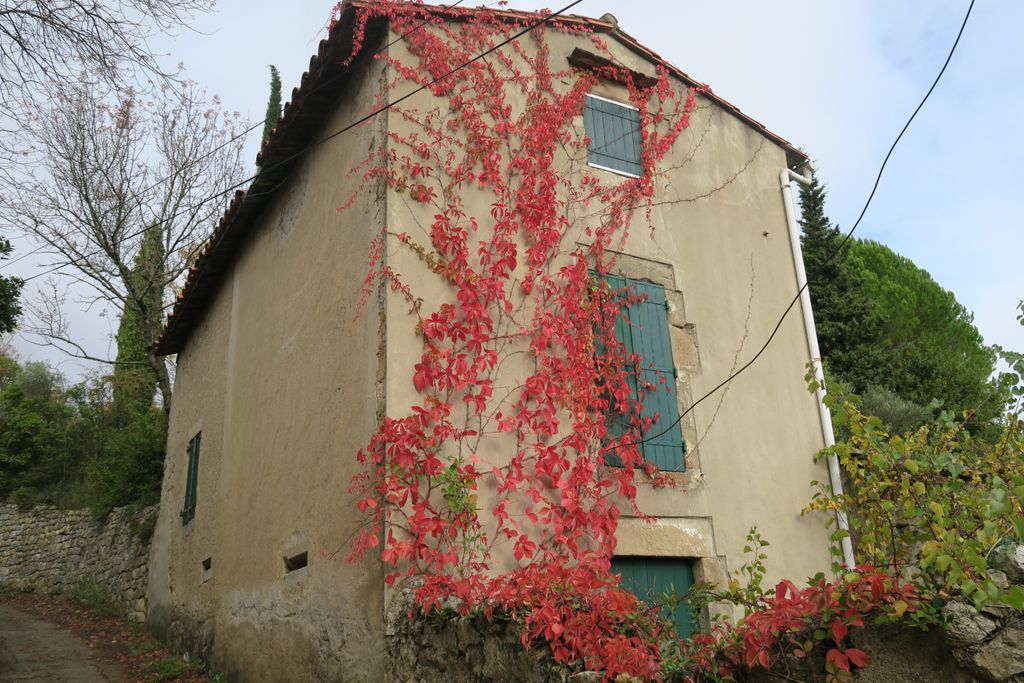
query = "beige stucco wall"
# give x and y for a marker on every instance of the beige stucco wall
(283, 383)
(282, 380)
(720, 248)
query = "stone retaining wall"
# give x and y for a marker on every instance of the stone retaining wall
(51, 550)
(472, 649)
(469, 649)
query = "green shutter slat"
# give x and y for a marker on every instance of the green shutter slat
(623, 333)
(633, 135)
(649, 583)
(614, 132)
(649, 577)
(607, 121)
(678, 574)
(588, 126)
(643, 328)
(191, 479)
(195, 473)
(190, 482)
(617, 143)
(663, 443)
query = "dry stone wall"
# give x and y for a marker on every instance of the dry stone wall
(474, 649)
(975, 647)
(988, 642)
(51, 550)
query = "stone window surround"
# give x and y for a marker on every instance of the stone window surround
(684, 537)
(689, 538)
(683, 336)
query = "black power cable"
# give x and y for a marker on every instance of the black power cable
(238, 136)
(543, 20)
(842, 244)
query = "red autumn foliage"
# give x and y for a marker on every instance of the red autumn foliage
(792, 613)
(519, 284)
(505, 133)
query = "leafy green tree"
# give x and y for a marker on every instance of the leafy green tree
(10, 290)
(76, 446)
(89, 195)
(273, 104)
(130, 466)
(935, 501)
(931, 348)
(36, 447)
(898, 415)
(887, 328)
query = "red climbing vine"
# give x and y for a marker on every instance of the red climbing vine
(519, 282)
(492, 486)
(503, 455)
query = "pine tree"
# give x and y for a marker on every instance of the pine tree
(273, 104)
(887, 330)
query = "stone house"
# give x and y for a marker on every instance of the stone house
(279, 384)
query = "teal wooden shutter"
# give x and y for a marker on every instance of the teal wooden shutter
(649, 577)
(614, 132)
(663, 442)
(188, 512)
(643, 329)
(618, 424)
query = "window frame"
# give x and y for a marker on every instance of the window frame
(188, 511)
(602, 167)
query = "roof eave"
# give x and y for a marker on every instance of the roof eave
(301, 118)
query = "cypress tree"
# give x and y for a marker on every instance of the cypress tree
(848, 327)
(10, 290)
(134, 379)
(129, 468)
(273, 104)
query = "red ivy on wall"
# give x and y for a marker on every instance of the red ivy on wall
(520, 371)
(508, 128)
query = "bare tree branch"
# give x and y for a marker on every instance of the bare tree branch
(109, 167)
(43, 42)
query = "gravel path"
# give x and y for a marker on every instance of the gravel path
(34, 650)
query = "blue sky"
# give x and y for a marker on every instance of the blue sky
(838, 79)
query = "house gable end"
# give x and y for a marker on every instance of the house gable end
(303, 117)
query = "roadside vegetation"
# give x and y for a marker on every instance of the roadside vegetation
(75, 445)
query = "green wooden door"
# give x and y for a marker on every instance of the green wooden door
(648, 577)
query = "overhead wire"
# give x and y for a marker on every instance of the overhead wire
(515, 36)
(846, 238)
(543, 20)
(239, 136)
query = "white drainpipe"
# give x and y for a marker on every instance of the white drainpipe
(785, 178)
